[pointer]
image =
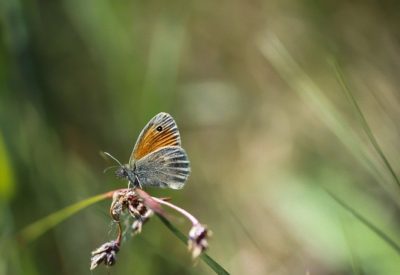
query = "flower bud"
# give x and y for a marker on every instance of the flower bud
(198, 239)
(105, 253)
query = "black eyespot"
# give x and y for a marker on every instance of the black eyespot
(159, 128)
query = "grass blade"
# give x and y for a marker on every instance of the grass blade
(364, 123)
(207, 259)
(297, 79)
(367, 223)
(38, 228)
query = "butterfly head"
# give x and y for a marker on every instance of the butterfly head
(123, 172)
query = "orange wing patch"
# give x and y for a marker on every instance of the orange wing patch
(161, 131)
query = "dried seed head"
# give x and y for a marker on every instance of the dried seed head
(197, 242)
(118, 204)
(105, 253)
(138, 222)
(122, 200)
(128, 200)
(137, 205)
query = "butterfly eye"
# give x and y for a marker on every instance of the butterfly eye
(159, 128)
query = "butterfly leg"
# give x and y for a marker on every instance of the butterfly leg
(138, 182)
(133, 184)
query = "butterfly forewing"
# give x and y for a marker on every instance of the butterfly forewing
(165, 167)
(161, 131)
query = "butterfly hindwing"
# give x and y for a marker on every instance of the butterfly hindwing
(161, 131)
(165, 167)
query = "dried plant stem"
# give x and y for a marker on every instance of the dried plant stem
(119, 237)
(189, 216)
(38, 228)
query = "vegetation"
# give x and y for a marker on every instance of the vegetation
(288, 111)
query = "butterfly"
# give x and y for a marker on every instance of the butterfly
(157, 159)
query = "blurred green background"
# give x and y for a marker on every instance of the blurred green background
(263, 117)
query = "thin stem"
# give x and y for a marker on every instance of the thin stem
(34, 230)
(218, 269)
(364, 122)
(119, 238)
(366, 222)
(178, 209)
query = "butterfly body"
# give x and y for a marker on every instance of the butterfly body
(157, 159)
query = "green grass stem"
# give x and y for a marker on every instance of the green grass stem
(363, 121)
(366, 222)
(38, 228)
(218, 269)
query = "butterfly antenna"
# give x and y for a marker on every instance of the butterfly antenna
(110, 167)
(112, 157)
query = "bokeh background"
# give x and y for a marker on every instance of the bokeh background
(255, 89)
